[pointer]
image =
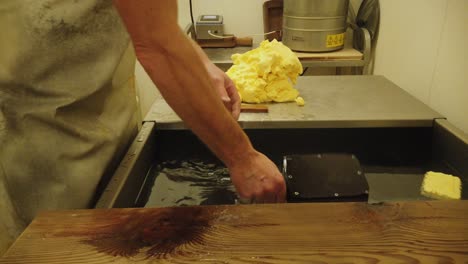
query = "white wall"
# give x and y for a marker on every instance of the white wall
(449, 88)
(422, 48)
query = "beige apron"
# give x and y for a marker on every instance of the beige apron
(67, 109)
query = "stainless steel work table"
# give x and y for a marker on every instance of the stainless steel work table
(331, 102)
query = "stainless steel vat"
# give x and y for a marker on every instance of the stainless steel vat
(314, 25)
(396, 141)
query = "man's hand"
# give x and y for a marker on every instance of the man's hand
(226, 89)
(221, 82)
(257, 180)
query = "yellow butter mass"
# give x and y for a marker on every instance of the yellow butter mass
(266, 74)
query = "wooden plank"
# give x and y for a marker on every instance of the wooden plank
(230, 42)
(217, 43)
(407, 232)
(254, 108)
(344, 54)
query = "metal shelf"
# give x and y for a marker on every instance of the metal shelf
(222, 56)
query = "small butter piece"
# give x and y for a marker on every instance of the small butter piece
(300, 101)
(441, 186)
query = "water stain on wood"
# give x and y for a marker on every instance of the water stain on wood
(374, 216)
(155, 233)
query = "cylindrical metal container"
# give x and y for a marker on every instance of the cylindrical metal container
(314, 25)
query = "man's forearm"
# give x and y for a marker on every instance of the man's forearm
(200, 52)
(176, 67)
(184, 83)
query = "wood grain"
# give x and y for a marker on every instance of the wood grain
(412, 232)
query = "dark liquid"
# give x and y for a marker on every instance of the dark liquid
(205, 182)
(190, 182)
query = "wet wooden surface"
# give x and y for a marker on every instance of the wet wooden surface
(412, 232)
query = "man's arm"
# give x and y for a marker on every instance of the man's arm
(173, 64)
